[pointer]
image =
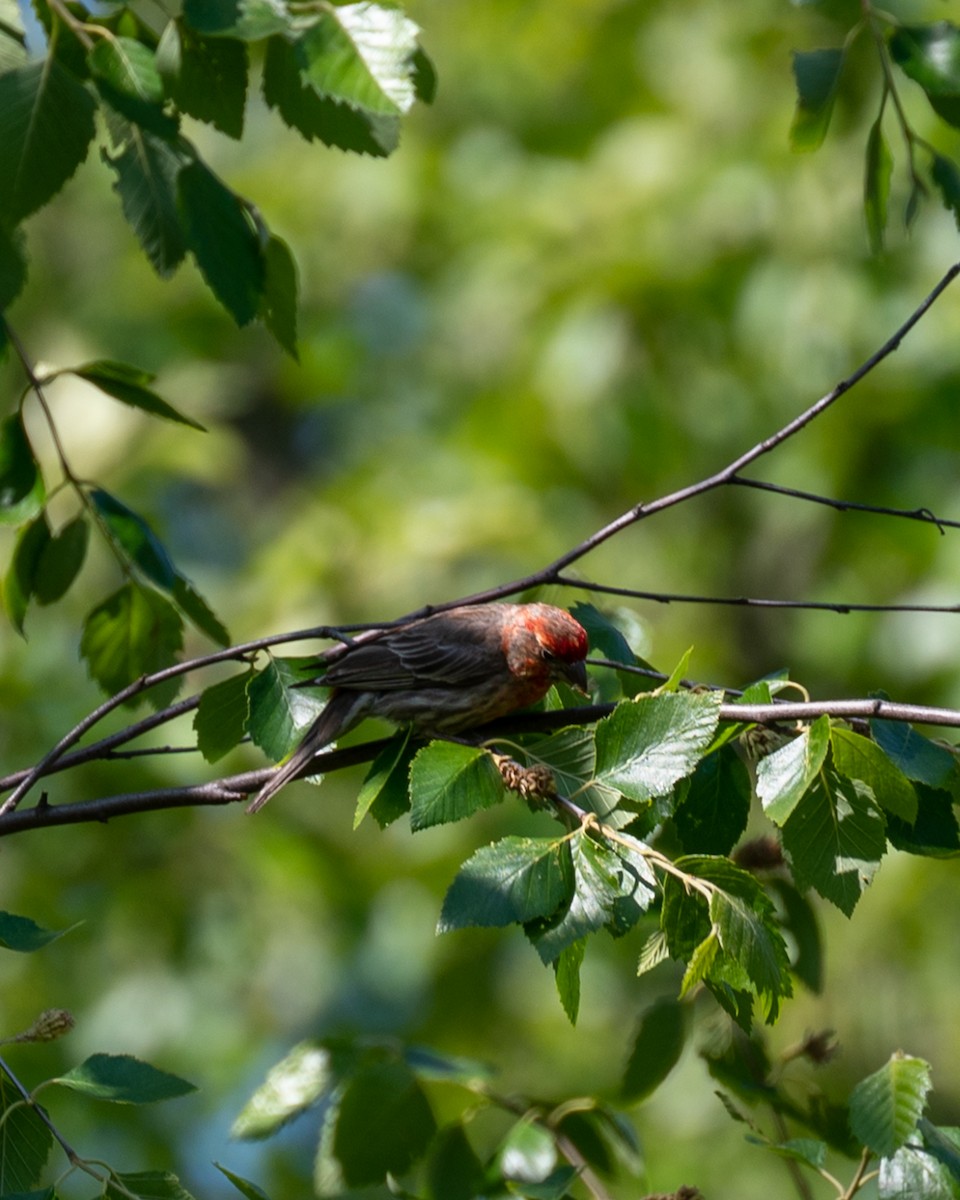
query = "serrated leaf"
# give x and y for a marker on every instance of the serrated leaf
(128, 384)
(649, 744)
(61, 558)
(876, 185)
(126, 75)
(221, 718)
(656, 1049)
(916, 756)
(223, 240)
(24, 935)
(859, 758)
(25, 1142)
(566, 974)
(244, 1186)
(943, 1142)
(713, 812)
(315, 116)
(384, 1123)
(46, 126)
(362, 55)
(205, 76)
(946, 175)
(654, 951)
(385, 793)
(784, 777)
(132, 633)
(571, 756)
(13, 265)
(886, 1106)
(930, 55)
(835, 839)
(280, 711)
(749, 938)
(123, 1079)
(147, 168)
(193, 606)
(278, 309)
(296, 1083)
(136, 539)
(145, 1185)
(514, 880)
(22, 492)
(449, 782)
(249, 20)
(817, 75)
(21, 577)
(912, 1173)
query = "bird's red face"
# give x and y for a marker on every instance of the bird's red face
(544, 645)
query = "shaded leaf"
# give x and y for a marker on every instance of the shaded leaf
(571, 756)
(13, 265)
(449, 782)
(946, 175)
(244, 1186)
(886, 1106)
(278, 308)
(817, 75)
(126, 75)
(21, 485)
(123, 1079)
(193, 606)
(145, 1185)
(132, 633)
(25, 1142)
(799, 920)
(916, 756)
(935, 832)
(249, 20)
(566, 973)
(128, 384)
(221, 718)
(453, 1171)
(944, 1144)
(20, 580)
(60, 560)
(514, 880)
(384, 1123)
(136, 539)
(204, 76)
(712, 814)
(930, 55)
(223, 240)
(656, 1049)
(25, 935)
(385, 793)
(876, 185)
(46, 126)
(147, 168)
(293, 1085)
(858, 757)
(280, 711)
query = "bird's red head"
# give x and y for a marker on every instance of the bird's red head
(545, 643)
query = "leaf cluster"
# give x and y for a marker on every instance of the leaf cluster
(342, 74)
(929, 56)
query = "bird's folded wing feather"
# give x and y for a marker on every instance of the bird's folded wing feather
(413, 656)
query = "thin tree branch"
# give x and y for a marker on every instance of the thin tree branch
(908, 514)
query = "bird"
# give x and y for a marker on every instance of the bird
(445, 673)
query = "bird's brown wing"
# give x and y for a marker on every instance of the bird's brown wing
(441, 650)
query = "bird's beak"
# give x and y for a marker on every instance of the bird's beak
(575, 674)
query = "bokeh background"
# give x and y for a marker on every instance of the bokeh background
(592, 273)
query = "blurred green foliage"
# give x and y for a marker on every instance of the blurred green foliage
(593, 271)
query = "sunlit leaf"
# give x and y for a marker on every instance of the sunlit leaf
(281, 711)
(930, 55)
(449, 782)
(514, 880)
(858, 757)
(126, 75)
(886, 1106)
(129, 385)
(293, 1085)
(385, 793)
(134, 632)
(784, 777)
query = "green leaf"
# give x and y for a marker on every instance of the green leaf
(278, 309)
(20, 580)
(316, 116)
(886, 1106)
(244, 1186)
(817, 75)
(432, 1066)
(514, 880)
(425, 78)
(126, 75)
(912, 1172)
(147, 169)
(280, 711)
(608, 641)
(858, 757)
(128, 384)
(935, 833)
(248, 20)
(946, 175)
(46, 126)
(648, 745)
(13, 265)
(805, 1150)
(60, 560)
(24, 935)
(449, 782)
(123, 1079)
(656, 1049)
(205, 77)
(572, 758)
(916, 756)
(835, 839)
(749, 938)
(145, 1185)
(566, 973)
(385, 793)
(930, 55)
(555, 1186)
(21, 485)
(384, 1123)
(362, 54)
(13, 40)
(453, 1171)
(943, 1142)
(712, 814)
(132, 534)
(799, 919)
(223, 239)
(296, 1083)
(132, 633)
(784, 777)
(221, 718)
(193, 606)
(876, 185)
(25, 1142)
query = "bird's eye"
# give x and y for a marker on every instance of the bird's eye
(547, 655)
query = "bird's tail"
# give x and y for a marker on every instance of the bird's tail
(342, 711)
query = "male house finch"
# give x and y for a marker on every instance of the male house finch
(445, 673)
